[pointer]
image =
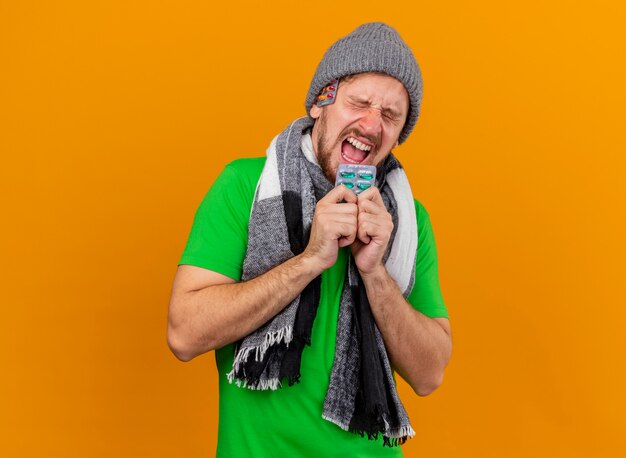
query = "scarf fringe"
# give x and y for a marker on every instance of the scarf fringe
(271, 338)
(263, 384)
(391, 437)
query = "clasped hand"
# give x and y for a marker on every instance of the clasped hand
(341, 219)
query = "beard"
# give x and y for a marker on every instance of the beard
(324, 149)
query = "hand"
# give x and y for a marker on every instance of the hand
(334, 225)
(374, 231)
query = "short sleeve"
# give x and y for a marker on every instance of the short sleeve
(219, 234)
(426, 294)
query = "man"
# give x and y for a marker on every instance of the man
(311, 295)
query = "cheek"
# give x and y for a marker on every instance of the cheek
(342, 118)
(350, 119)
(390, 137)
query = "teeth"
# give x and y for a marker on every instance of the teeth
(348, 159)
(358, 144)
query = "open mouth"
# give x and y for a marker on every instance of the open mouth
(354, 151)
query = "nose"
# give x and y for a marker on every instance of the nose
(371, 124)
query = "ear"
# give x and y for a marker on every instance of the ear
(396, 144)
(315, 111)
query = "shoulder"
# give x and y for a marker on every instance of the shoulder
(240, 174)
(234, 188)
(423, 218)
(246, 167)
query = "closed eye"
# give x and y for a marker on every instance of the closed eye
(393, 117)
(389, 114)
(359, 104)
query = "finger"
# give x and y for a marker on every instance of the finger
(356, 245)
(347, 234)
(345, 241)
(372, 194)
(368, 231)
(338, 194)
(369, 206)
(345, 208)
(362, 233)
(346, 227)
(374, 227)
(331, 220)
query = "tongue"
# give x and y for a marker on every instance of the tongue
(352, 153)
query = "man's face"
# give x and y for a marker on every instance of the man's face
(362, 126)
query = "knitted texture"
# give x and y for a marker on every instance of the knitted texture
(371, 47)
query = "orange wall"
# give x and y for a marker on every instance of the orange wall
(115, 118)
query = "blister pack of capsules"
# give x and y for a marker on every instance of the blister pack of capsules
(356, 177)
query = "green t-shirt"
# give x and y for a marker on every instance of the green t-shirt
(288, 421)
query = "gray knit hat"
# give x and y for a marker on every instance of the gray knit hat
(372, 47)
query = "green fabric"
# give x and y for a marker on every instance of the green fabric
(288, 422)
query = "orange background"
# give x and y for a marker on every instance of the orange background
(116, 117)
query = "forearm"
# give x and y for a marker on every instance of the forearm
(418, 347)
(221, 314)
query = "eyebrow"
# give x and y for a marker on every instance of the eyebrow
(386, 110)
